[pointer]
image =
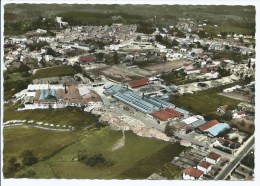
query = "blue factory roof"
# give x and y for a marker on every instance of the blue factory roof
(45, 93)
(217, 129)
(142, 103)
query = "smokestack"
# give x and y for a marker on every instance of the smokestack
(65, 88)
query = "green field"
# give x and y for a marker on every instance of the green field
(205, 102)
(137, 159)
(43, 143)
(54, 72)
(67, 116)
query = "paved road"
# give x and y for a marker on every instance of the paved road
(237, 159)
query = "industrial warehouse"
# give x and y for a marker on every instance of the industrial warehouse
(153, 107)
(45, 96)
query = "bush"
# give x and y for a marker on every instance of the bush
(28, 157)
(93, 159)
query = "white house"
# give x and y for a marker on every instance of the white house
(193, 71)
(204, 166)
(183, 50)
(238, 114)
(212, 75)
(213, 158)
(41, 31)
(48, 58)
(191, 173)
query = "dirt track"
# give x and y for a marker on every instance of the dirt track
(166, 67)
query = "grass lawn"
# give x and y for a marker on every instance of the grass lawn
(54, 71)
(138, 159)
(66, 116)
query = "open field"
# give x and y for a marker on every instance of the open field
(121, 73)
(54, 71)
(137, 159)
(67, 116)
(43, 143)
(166, 67)
(204, 102)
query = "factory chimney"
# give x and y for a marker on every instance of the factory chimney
(65, 88)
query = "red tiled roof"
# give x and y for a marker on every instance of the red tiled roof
(165, 114)
(193, 172)
(87, 58)
(213, 156)
(194, 69)
(224, 107)
(138, 83)
(204, 164)
(240, 112)
(208, 125)
(188, 128)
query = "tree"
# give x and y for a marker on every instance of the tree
(249, 64)
(28, 157)
(13, 165)
(243, 123)
(227, 116)
(158, 38)
(168, 130)
(51, 52)
(227, 47)
(175, 42)
(116, 60)
(138, 38)
(100, 56)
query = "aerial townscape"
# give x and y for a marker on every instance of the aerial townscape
(157, 92)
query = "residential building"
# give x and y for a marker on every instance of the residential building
(191, 173)
(213, 158)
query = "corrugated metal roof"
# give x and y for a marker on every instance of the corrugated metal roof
(144, 104)
(217, 129)
(184, 112)
(198, 123)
